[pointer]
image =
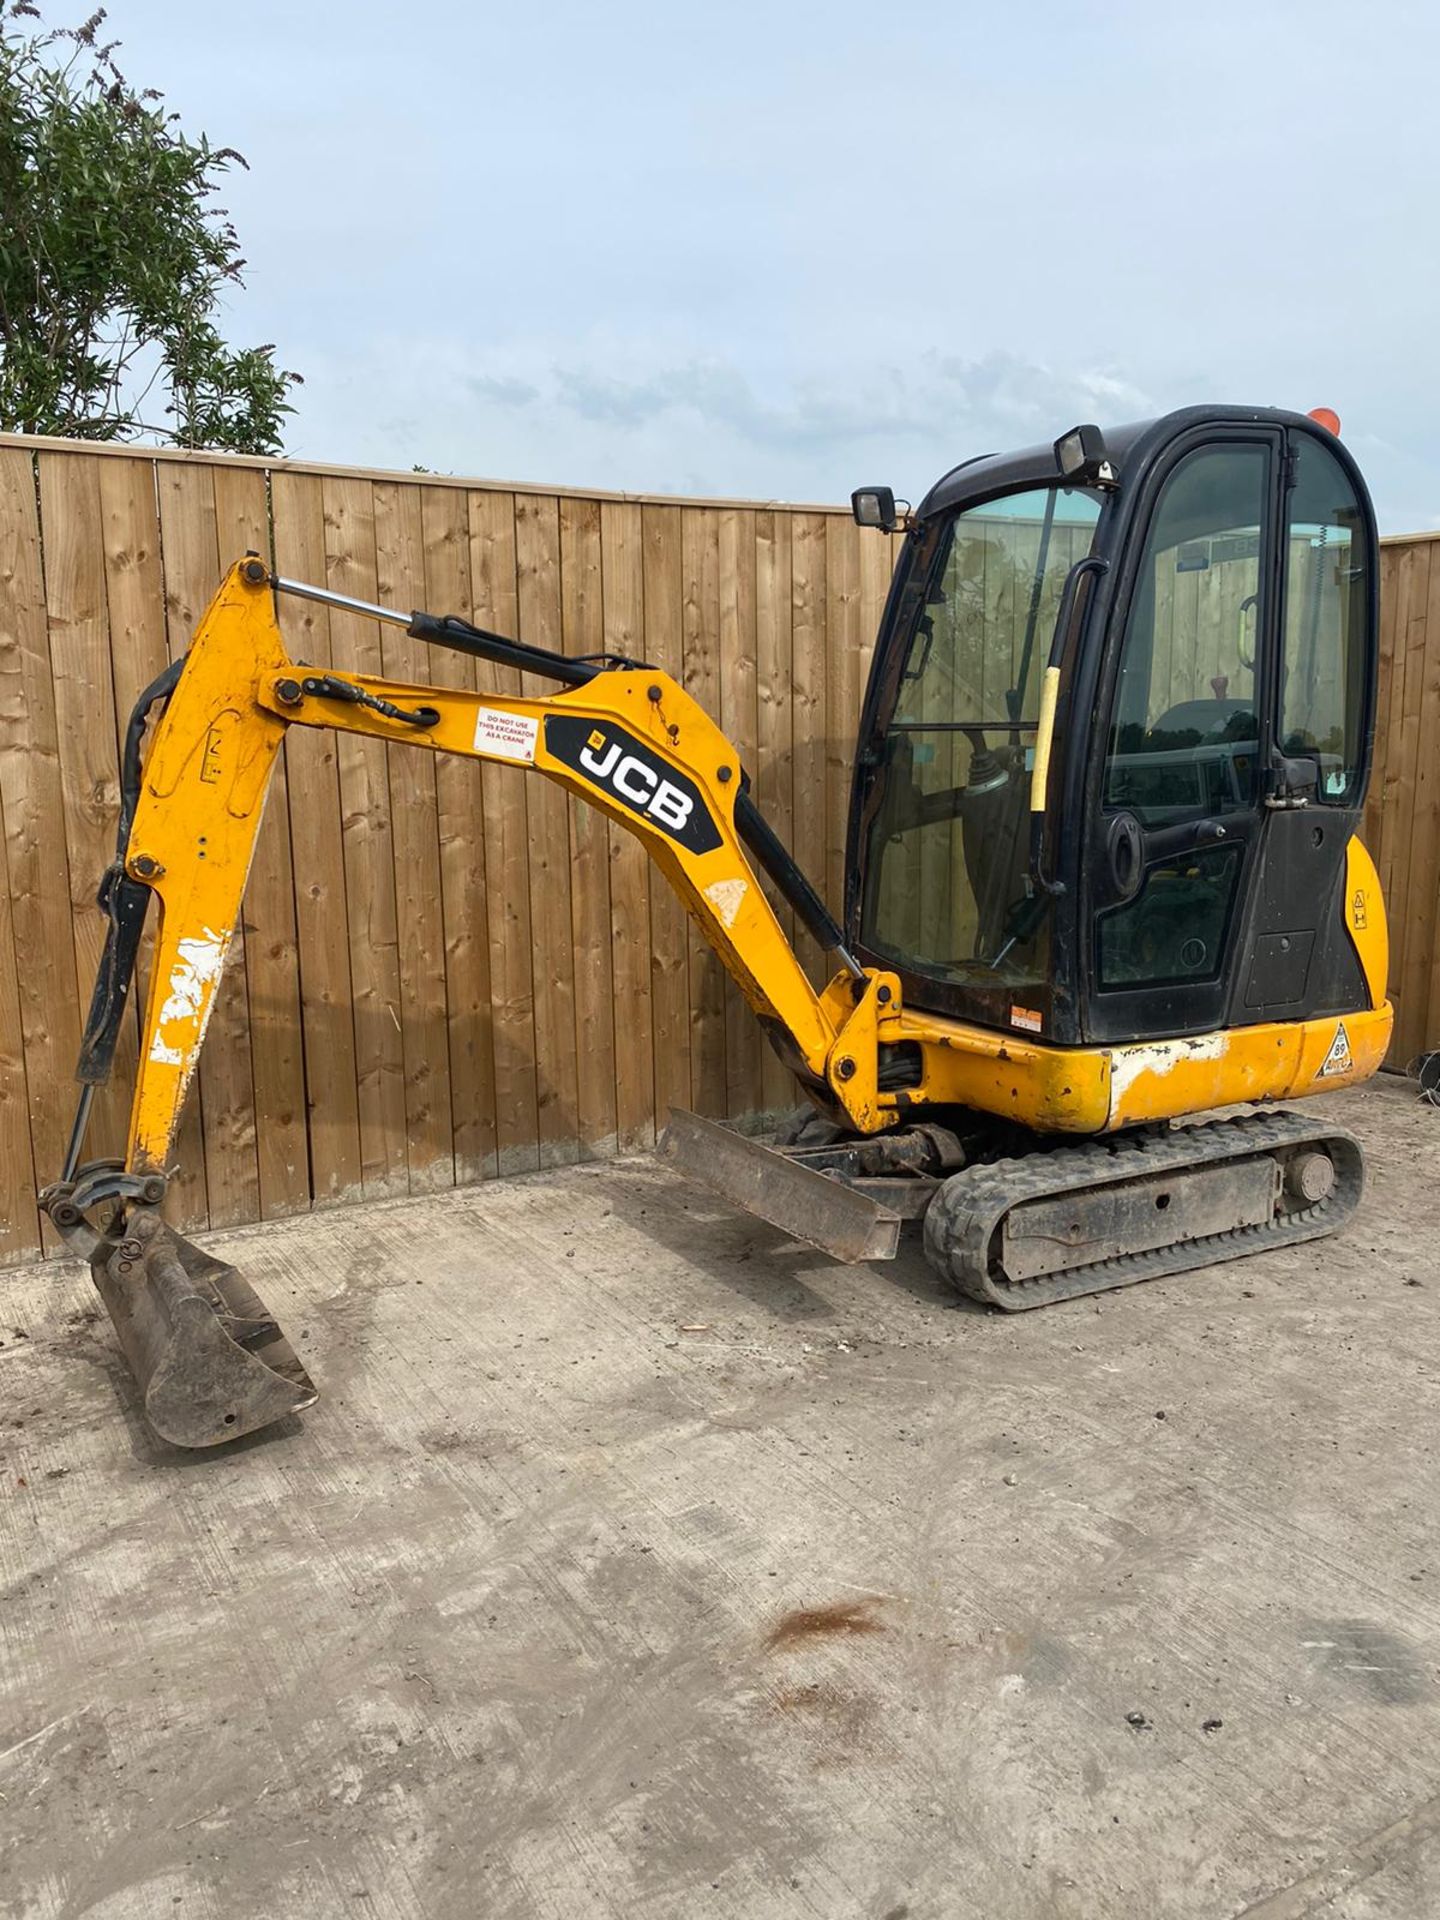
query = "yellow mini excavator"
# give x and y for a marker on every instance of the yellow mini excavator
(1103, 876)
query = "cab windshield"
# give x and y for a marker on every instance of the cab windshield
(947, 839)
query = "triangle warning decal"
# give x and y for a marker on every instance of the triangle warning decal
(1339, 1059)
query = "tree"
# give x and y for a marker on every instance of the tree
(114, 257)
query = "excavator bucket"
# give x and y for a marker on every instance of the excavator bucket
(210, 1361)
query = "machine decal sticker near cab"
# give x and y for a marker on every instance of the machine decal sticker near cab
(505, 736)
(629, 772)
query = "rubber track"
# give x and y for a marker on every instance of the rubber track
(962, 1225)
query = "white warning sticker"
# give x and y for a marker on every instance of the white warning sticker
(1027, 1018)
(505, 736)
(1339, 1059)
(727, 897)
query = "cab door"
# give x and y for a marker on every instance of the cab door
(1176, 840)
(1299, 958)
(1233, 741)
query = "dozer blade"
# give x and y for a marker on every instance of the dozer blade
(764, 1181)
(210, 1361)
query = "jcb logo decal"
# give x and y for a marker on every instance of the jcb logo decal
(636, 782)
(626, 769)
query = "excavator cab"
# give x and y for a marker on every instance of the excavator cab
(1206, 585)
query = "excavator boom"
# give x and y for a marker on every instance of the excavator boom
(627, 739)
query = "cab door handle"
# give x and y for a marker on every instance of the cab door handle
(1124, 855)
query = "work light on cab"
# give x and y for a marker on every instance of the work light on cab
(875, 507)
(1082, 458)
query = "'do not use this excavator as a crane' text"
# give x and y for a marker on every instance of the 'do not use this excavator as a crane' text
(1103, 876)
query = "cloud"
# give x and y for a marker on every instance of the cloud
(999, 396)
(509, 393)
(642, 413)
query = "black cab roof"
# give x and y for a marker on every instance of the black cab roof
(1131, 448)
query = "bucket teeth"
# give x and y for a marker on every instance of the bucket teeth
(209, 1358)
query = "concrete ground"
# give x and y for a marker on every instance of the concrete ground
(639, 1562)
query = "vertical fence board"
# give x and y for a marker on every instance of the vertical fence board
(446, 971)
(670, 952)
(807, 692)
(21, 630)
(430, 1127)
(537, 583)
(738, 714)
(583, 632)
(1397, 573)
(19, 1221)
(1424, 882)
(135, 602)
(700, 621)
(467, 817)
(845, 648)
(85, 715)
(877, 556)
(623, 589)
(369, 852)
(37, 859)
(1412, 910)
(774, 776)
(1403, 727)
(318, 856)
(506, 871)
(1374, 822)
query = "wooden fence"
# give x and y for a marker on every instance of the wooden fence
(1402, 814)
(447, 971)
(444, 971)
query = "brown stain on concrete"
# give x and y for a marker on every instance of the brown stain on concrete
(840, 1619)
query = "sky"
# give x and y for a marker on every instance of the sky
(778, 251)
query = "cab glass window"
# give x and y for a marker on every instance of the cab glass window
(1184, 735)
(947, 840)
(1184, 738)
(1327, 599)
